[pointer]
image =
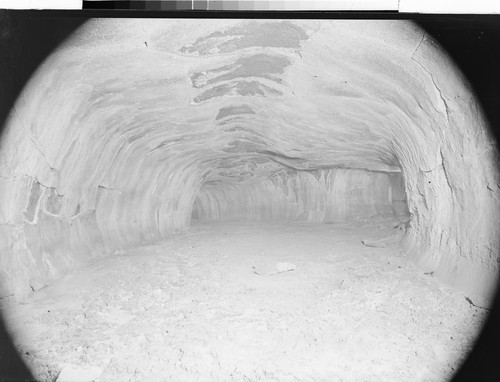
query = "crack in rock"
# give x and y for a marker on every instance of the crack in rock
(33, 140)
(109, 188)
(433, 169)
(444, 170)
(443, 101)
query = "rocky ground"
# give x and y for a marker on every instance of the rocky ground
(249, 302)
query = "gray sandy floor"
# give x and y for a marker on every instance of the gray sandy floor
(249, 302)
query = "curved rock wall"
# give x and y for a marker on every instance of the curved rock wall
(324, 196)
(112, 138)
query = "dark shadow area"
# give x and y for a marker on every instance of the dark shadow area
(26, 39)
(12, 367)
(474, 44)
(482, 363)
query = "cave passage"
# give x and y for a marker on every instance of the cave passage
(247, 200)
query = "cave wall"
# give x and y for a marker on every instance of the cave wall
(453, 179)
(323, 196)
(112, 138)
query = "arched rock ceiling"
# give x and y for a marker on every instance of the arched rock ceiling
(129, 118)
(242, 97)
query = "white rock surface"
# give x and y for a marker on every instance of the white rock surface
(130, 121)
(285, 267)
(78, 373)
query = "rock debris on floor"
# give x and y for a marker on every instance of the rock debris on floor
(249, 302)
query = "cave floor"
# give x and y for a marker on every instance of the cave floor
(249, 302)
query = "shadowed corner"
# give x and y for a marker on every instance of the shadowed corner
(481, 363)
(12, 367)
(472, 43)
(23, 48)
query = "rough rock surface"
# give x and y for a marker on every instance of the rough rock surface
(250, 302)
(116, 134)
(314, 196)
